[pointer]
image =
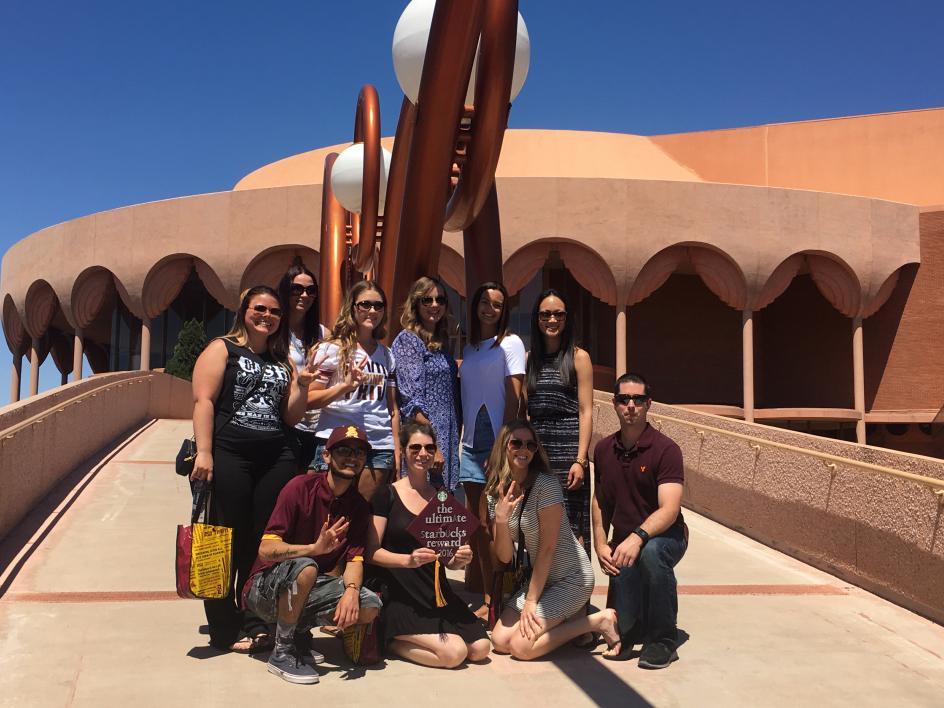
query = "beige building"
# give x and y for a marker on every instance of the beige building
(791, 274)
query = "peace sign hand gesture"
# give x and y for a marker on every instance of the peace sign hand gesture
(354, 376)
(308, 372)
(331, 536)
(507, 503)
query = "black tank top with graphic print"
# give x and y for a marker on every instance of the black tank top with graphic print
(246, 373)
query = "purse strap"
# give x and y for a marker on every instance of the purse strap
(520, 551)
(201, 503)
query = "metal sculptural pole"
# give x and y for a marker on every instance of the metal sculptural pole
(364, 225)
(333, 268)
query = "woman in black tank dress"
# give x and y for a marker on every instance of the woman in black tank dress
(415, 628)
(249, 458)
(560, 405)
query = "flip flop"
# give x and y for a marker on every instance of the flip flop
(331, 631)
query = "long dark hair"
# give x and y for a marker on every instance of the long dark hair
(311, 329)
(475, 327)
(275, 342)
(564, 360)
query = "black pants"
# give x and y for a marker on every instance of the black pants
(247, 478)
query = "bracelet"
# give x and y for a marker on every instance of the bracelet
(352, 585)
(583, 462)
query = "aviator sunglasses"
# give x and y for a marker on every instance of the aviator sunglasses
(263, 310)
(429, 300)
(515, 444)
(416, 447)
(368, 305)
(297, 290)
(638, 399)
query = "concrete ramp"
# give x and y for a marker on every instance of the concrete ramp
(88, 617)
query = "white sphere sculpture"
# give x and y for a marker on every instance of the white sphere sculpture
(409, 51)
(347, 177)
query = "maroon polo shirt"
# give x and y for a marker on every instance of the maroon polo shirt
(303, 507)
(627, 481)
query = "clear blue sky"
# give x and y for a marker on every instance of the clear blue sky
(104, 104)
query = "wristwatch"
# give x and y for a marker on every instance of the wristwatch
(642, 533)
(583, 462)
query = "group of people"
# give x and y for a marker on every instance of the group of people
(321, 447)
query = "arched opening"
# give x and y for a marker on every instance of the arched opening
(803, 351)
(686, 342)
(594, 320)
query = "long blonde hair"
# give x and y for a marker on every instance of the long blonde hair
(275, 343)
(499, 471)
(344, 332)
(410, 319)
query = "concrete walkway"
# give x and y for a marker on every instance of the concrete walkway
(88, 617)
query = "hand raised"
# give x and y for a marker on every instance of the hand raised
(331, 536)
(507, 503)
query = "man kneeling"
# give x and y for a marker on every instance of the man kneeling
(300, 583)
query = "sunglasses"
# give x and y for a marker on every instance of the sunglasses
(415, 448)
(348, 451)
(429, 300)
(297, 290)
(263, 310)
(548, 315)
(368, 305)
(638, 399)
(515, 444)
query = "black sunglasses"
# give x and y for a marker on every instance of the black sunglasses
(349, 451)
(546, 315)
(416, 447)
(368, 305)
(429, 300)
(263, 310)
(297, 289)
(638, 399)
(515, 444)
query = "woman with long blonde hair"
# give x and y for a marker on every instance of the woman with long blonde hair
(427, 375)
(526, 505)
(244, 392)
(356, 383)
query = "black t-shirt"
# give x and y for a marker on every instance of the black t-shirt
(260, 417)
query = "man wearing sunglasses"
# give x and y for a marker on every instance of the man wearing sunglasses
(310, 568)
(639, 476)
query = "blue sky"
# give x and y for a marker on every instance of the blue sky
(104, 104)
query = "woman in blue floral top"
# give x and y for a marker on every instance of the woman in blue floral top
(427, 383)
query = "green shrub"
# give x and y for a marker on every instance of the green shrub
(190, 343)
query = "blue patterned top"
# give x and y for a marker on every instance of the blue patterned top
(427, 383)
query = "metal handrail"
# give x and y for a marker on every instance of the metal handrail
(61, 406)
(831, 460)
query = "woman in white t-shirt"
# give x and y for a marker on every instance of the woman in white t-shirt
(298, 289)
(356, 384)
(491, 376)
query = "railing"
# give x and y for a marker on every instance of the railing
(831, 460)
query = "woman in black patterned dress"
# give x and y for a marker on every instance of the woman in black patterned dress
(560, 405)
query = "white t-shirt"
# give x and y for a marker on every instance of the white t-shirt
(365, 407)
(482, 376)
(296, 355)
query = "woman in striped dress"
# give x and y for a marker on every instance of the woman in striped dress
(560, 405)
(525, 501)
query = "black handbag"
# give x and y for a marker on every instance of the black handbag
(188, 448)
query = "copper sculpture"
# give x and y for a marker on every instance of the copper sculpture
(442, 174)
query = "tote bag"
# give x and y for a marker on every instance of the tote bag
(204, 555)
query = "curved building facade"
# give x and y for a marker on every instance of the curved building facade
(791, 274)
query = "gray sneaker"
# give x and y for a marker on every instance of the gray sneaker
(316, 656)
(289, 666)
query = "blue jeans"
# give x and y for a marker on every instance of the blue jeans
(645, 595)
(473, 459)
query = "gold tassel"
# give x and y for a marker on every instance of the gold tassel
(440, 600)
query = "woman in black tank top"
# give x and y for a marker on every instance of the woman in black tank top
(245, 393)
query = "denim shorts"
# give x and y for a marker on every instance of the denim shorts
(262, 594)
(376, 459)
(473, 459)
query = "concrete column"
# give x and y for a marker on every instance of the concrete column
(34, 367)
(747, 365)
(145, 344)
(15, 371)
(621, 358)
(77, 352)
(858, 378)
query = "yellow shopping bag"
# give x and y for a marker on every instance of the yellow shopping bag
(204, 555)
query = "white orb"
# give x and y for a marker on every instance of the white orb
(347, 177)
(409, 51)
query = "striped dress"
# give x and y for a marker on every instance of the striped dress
(554, 412)
(570, 579)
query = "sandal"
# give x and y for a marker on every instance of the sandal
(250, 645)
(331, 631)
(611, 635)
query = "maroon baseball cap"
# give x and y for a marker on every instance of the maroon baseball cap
(347, 434)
